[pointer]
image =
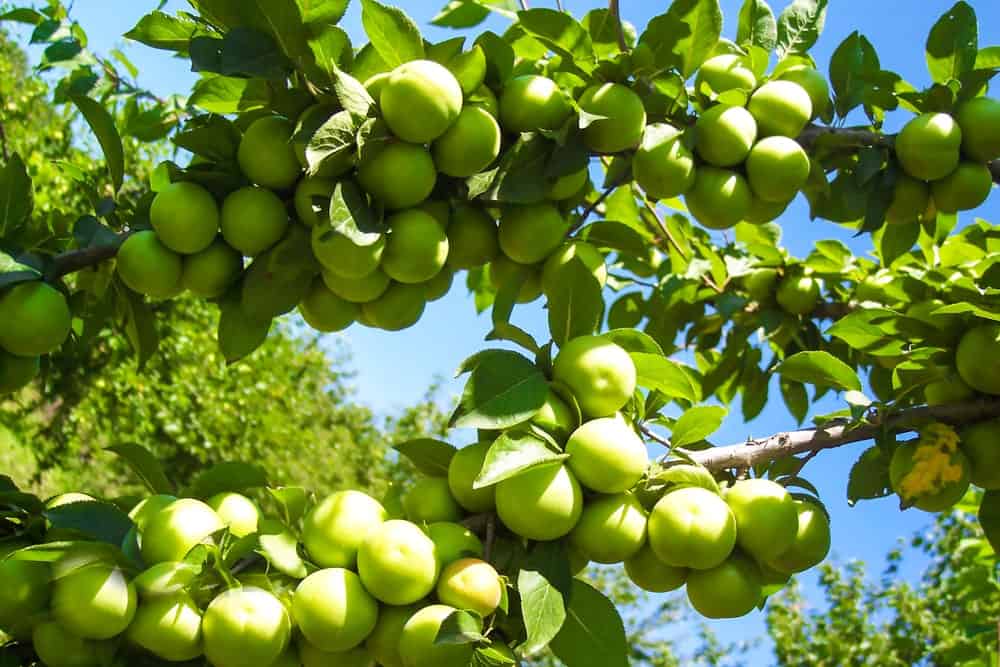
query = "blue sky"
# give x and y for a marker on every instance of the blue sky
(394, 369)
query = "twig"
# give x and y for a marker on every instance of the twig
(789, 443)
(3, 143)
(616, 14)
(524, 5)
(76, 260)
(655, 437)
(559, 6)
(491, 536)
(995, 170)
(597, 202)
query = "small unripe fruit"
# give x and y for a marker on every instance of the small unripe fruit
(325, 311)
(528, 233)
(541, 504)
(503, 270)
(555, 417)
(416, 643)
(599, 373)
(266, 154)
(611, 529)
(606, 455)
(692, 527)
(724, 72)
(811, 544)
(35, 319)
(624, 118)
(465, 466)
(567, 185)
(365, 289)
(94, 601)
(420, 101)
(928, 146)
(429, 500)
(245, 626)
(761, 211)
(555, 267)
(952, 470)
(398, 308)
(950, 389)
(176, 529)
(309, 189)
(813, 82)
(766, 517)
(981, 445)
(169, 627)
(530, 103)
(978, 358)
(334, 529)
(729, 590)
(963, 189)
(416, 248)
(910, 197)
(472, 238)
(798, 294)
(469, 146)
(237, 511)
(380, 170)
(651, 574)
(720, 198)
(342, 257)
(16, 371)
(253, 220)
(185, 217)
(383, 642)
(663, 166)
(453, 541)
(777, 168)
(333, 610)
(781, 108)
(470, 584)
(439, 285)
(979, 119)
(24, 591)
(397, 563)
(725, 135)
(209, 273)
(58, 647)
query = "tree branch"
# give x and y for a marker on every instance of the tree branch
(995, 170)
(844, 137)
(72, 261)
(616, 13)
(789, 443)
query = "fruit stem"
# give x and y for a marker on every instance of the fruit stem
(615, 12)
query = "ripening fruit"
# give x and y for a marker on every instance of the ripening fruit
(397, 563)
(761, 211)
(554, 271)
(253, 220)
(381, 174)
(185, 217)
(928, 476)
(209, 273)
(555, 417)
(35, 319)
(978, 358)
(720, 198)
(24, 591)
(333, 530)
(484, 98)
(420, 101)
(651, 574)
(963, 189)
(528, 233)
(663, 166)
(470, 584)
(724, 72)
(813, 82)
(725, 135)
(333, 610)
(981, 445)
(463, 469)
(530, 103)
(173, 531)
(416, 248)
(766, 517)
(416, 643)
(167, 578)
(325, 311)
(453, 541)
(540, 504)
(429, 499)
(811, 544)
(798, 294)
(910, 197)
(339, 255)
(606, 455)
(365, 289)
(309, 189)
(692, 527)
(599, 373)
(759, 283)
(266, 154)
(504, 270)
(237, 511)
(611, 528)
(472, 238)
(567, 185)
(950, 389)
(16, 371)
(623, 122)
(781, 108)
(58, 647)
(439, 285)
(169, 627)
(729, 590)
(469, 146)
(398, 308)
(928, 146)
(245, 626)
(979, 119)
(777, 168)
(383, 642)
(148, 267)
(94, 600)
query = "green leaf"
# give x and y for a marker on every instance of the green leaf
(239, 334)
(488, 656)
(23, 15)
(696, 424)
(461, 14)
(795, 397)
(685, 36)
(953, 44)
(327, 12)
(146, 466)
(869, 476)
(430, 456)
(102, 522)
(461, 627)
(665, 375)
(520, 177)
(393, 34)
(139, 324)
(512, 454)
(331, 49)
(277, 544)
(16, 196)
(213, 137)
(504, 389)
(799, 26)
(294, 500)
(351, 215)
(226, 95)
(989, 518)
(103, 125)
(594, 633)
(163, 31)
(853, 64)
(331, 140)
(988, 58)
(227, 477)
(544, 585)
(821, 369)
(250, 53)
(575, 305)
(757, 26)
(633, 340)
(561, 33)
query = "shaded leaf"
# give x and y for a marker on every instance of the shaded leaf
(544, 585)
(103, 125)
(430, 456)
(16, 196)
(504, 389)
(696, 424)
(227, 477)
(461, 627)
(512, 454)
(953, 44)
(869, 477)
(146, 466)
(821, 369)
(665, 375)
(594, 633)
(102, 522)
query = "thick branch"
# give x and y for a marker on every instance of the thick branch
(782, 445)
(616, 14)
(844, 137)
(77, 260)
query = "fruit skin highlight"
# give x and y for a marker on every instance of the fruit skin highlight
(333, 610)
(529, 103)
(253, 220)
(36, 319)
(599, 373)
(624, 118)
(420, 101)
(725, 135)
(541, 504)
(729, 590)
(781, 107)
(611, 529)
(963, 189)
(469, 146)
(334, 529)
(979, 120)
(720, 198)
(651, 574)
(692, 527)
(397, 563)
(811, 544)
(380, 168)
(766, 517)
(245, 627)
(463, 469)
(977, 358)
(416, 643)
(266, 153)
(607, 455)
(928, 146)
(663, 166)
(185, 217)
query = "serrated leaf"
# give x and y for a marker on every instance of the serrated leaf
(146, 466)
(757, 25)
(821, 369)
(544, 585)
(102, 124)
(512, 454)
(665, 375)
(869, 477)
(392, 32)
(561, 33)
(594, 633)
(430, 456)
(799, 26)
(227, 477)
(352, 216)
(685, 35)
(575, 305)
(953, 44)
(504, 389)
(696, 424)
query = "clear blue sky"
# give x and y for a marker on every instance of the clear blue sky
(393, 369)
